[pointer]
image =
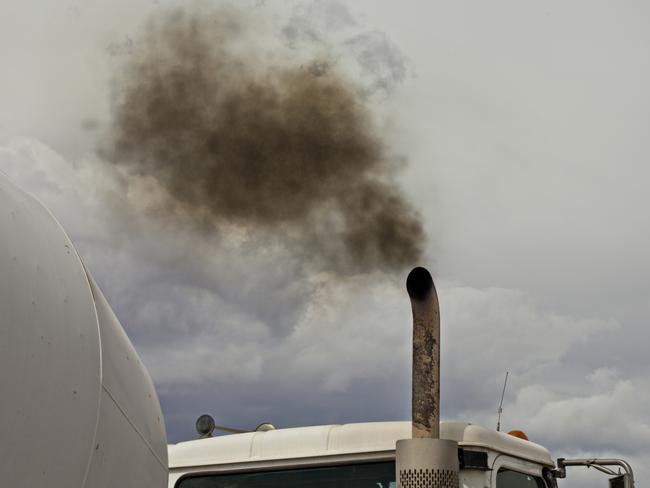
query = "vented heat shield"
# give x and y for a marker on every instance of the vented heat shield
(427, 463)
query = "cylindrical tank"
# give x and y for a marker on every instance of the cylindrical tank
(77, 406)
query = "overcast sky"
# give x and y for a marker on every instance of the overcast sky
(524, 128)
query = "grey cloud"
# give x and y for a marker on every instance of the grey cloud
(316, 21)
(376, 63)
(383, 66)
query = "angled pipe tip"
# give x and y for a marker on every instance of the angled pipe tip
(419, 283)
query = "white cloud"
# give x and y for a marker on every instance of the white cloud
(609, 421)
(606, 419)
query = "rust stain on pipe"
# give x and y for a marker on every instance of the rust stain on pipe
(426, 354)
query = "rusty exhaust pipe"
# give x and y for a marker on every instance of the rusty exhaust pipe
(425, 400)
(425, 460)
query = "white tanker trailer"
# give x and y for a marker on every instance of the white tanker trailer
(78, 408)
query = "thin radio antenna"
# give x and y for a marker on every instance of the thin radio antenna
(501, 403)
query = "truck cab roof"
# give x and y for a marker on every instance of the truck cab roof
(374, 440)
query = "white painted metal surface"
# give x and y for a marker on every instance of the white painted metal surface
(337, 440)
(77, 407)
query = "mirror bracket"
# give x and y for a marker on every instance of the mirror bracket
(619, 480)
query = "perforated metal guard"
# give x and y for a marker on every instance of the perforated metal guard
(428, 478)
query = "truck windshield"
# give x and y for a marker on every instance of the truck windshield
(371, 475)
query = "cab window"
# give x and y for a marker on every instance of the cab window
(512, 479)
(370, 475)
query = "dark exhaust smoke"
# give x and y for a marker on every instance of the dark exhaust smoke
(237, 135)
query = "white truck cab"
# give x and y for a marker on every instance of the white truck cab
(350, 455)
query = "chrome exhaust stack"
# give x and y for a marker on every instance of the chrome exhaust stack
(425, 460)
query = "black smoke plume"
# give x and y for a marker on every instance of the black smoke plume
(235, 134)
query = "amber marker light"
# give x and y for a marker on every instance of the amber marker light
(519, 434)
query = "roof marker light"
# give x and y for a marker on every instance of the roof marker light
(519, 434)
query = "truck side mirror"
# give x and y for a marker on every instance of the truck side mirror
(621, 481)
